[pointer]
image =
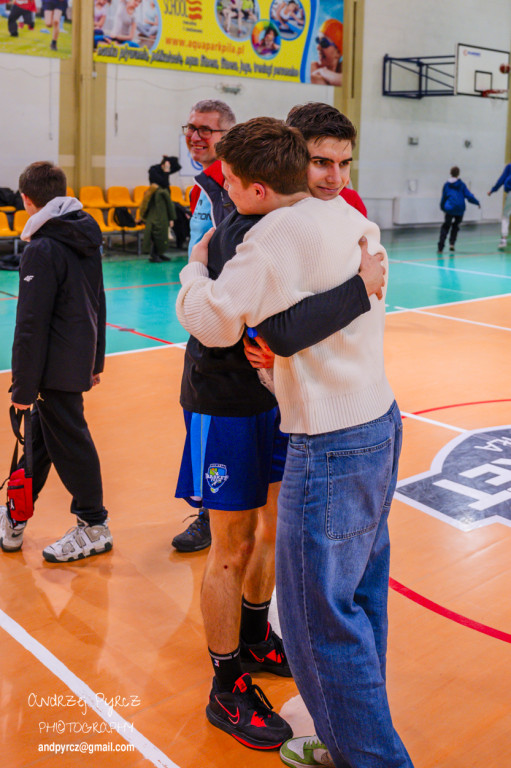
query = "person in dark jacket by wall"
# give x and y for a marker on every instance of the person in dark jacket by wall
(454, 194)
(160, 174)
(158, 212)
(58, 353)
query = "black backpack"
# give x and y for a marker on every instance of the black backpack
(123, 218)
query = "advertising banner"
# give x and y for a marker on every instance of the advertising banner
(298, 41)
(36, 27)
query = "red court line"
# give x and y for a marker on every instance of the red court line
(137, 333)
(429, 604)
(448, 614)
(462, 405)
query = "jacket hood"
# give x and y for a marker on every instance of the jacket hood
(453, 182)
(58, 206)
(69, 225)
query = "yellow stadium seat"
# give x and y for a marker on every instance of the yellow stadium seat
(106, 229)
(7, 208)
(70, 192)
(97, 215)
(139, 192)
(176, 194)
(5, 230)
(112, 223)
(92, 197)
(187, 195)
(119, 197)
(20, 219)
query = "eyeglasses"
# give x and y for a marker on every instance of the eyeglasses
(324, 42)
(204, 131)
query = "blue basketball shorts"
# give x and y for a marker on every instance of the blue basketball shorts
(228, 462)
(55, 5)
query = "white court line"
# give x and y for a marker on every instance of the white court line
(432, 421)
(171, 345)
(456, 319)
(448, 269)
(455, 303)
(82, 691)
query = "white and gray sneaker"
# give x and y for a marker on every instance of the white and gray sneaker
(11, 535)
(79, 542)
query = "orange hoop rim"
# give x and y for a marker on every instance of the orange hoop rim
(490, 91)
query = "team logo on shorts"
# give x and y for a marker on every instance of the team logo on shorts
(216, 476)
(469, 483)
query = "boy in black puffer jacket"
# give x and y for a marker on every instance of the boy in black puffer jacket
(58, 353)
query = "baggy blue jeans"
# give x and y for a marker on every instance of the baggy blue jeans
(332, 585)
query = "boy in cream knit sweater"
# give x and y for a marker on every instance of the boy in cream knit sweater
(345, 435)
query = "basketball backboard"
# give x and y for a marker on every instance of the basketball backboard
(482, 72)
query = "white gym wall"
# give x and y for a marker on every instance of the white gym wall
(29, 116)
(402, 181)
(147, 107)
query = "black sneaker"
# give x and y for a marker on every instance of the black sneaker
(266, 656)
(197, 536)
(247, 715)
(452, 248)
(53, 45)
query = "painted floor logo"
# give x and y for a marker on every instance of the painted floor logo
(469, 483)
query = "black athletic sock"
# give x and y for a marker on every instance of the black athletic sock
(254, 621)
(227, 668)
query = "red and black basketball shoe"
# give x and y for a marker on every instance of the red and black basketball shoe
(266, 656)
(247, 715)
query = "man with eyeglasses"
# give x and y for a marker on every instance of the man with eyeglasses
(209, 120)
(328, 68)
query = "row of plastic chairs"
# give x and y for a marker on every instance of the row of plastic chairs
(12, 233)
(20, 219)
(116, 197)
(119, 197)
(110, 226)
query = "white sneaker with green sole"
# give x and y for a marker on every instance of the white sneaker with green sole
(305, 750)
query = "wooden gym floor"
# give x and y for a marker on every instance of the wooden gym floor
(109, 654)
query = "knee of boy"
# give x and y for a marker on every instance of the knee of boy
(234, 556)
